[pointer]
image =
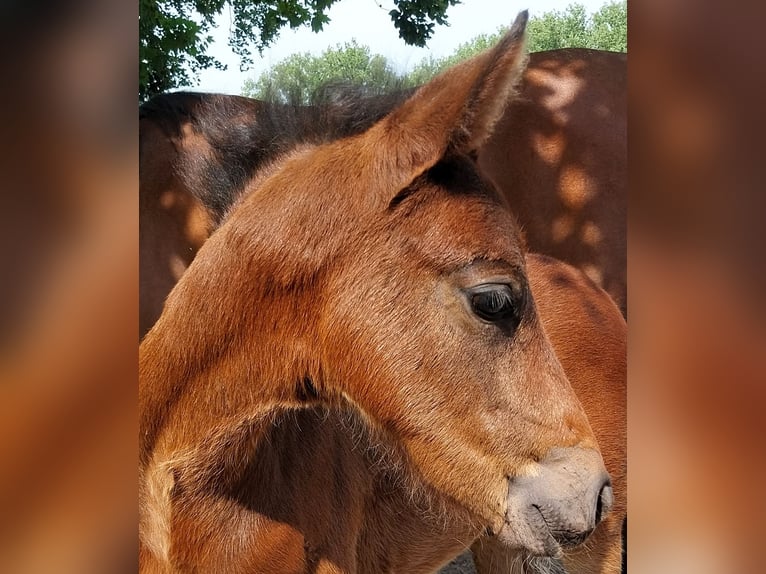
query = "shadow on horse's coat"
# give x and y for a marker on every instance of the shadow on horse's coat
(378, 277)
(558, 155)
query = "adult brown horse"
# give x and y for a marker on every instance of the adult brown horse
(558, 155)
(379, 275)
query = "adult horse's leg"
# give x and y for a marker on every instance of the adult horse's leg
(589, 336)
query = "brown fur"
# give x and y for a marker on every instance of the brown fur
(558, 155)
(590, 338)
(301, 299)
(173, 223)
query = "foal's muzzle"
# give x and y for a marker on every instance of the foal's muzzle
(560, 505)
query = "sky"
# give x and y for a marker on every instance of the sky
(368, 22)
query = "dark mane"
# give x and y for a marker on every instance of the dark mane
(245, 134)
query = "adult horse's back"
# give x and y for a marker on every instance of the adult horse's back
(381, 274)
(559, 155)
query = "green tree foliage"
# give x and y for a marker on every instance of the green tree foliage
(609, 28)
(171, 44)
(606, 29)
(429, 67)
(174, 34)
(555, 29)
(298, 77)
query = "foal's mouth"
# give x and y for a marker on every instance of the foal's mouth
(562, 536)
(552, 539)
(560, 506)
(530, 531)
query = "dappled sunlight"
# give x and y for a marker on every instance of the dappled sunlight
(594, 274)
(591, 235)
(562, 84)
(562, 228)
(560, 157)
(548, 147)
(575, 188)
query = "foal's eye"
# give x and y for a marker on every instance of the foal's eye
(492, 302)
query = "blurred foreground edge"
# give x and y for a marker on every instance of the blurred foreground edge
(68, 288)
(697, 338)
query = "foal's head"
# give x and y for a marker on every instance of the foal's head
(383, 270)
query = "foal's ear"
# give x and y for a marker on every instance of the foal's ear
(457, 110)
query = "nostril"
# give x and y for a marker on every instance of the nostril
(604, 501)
